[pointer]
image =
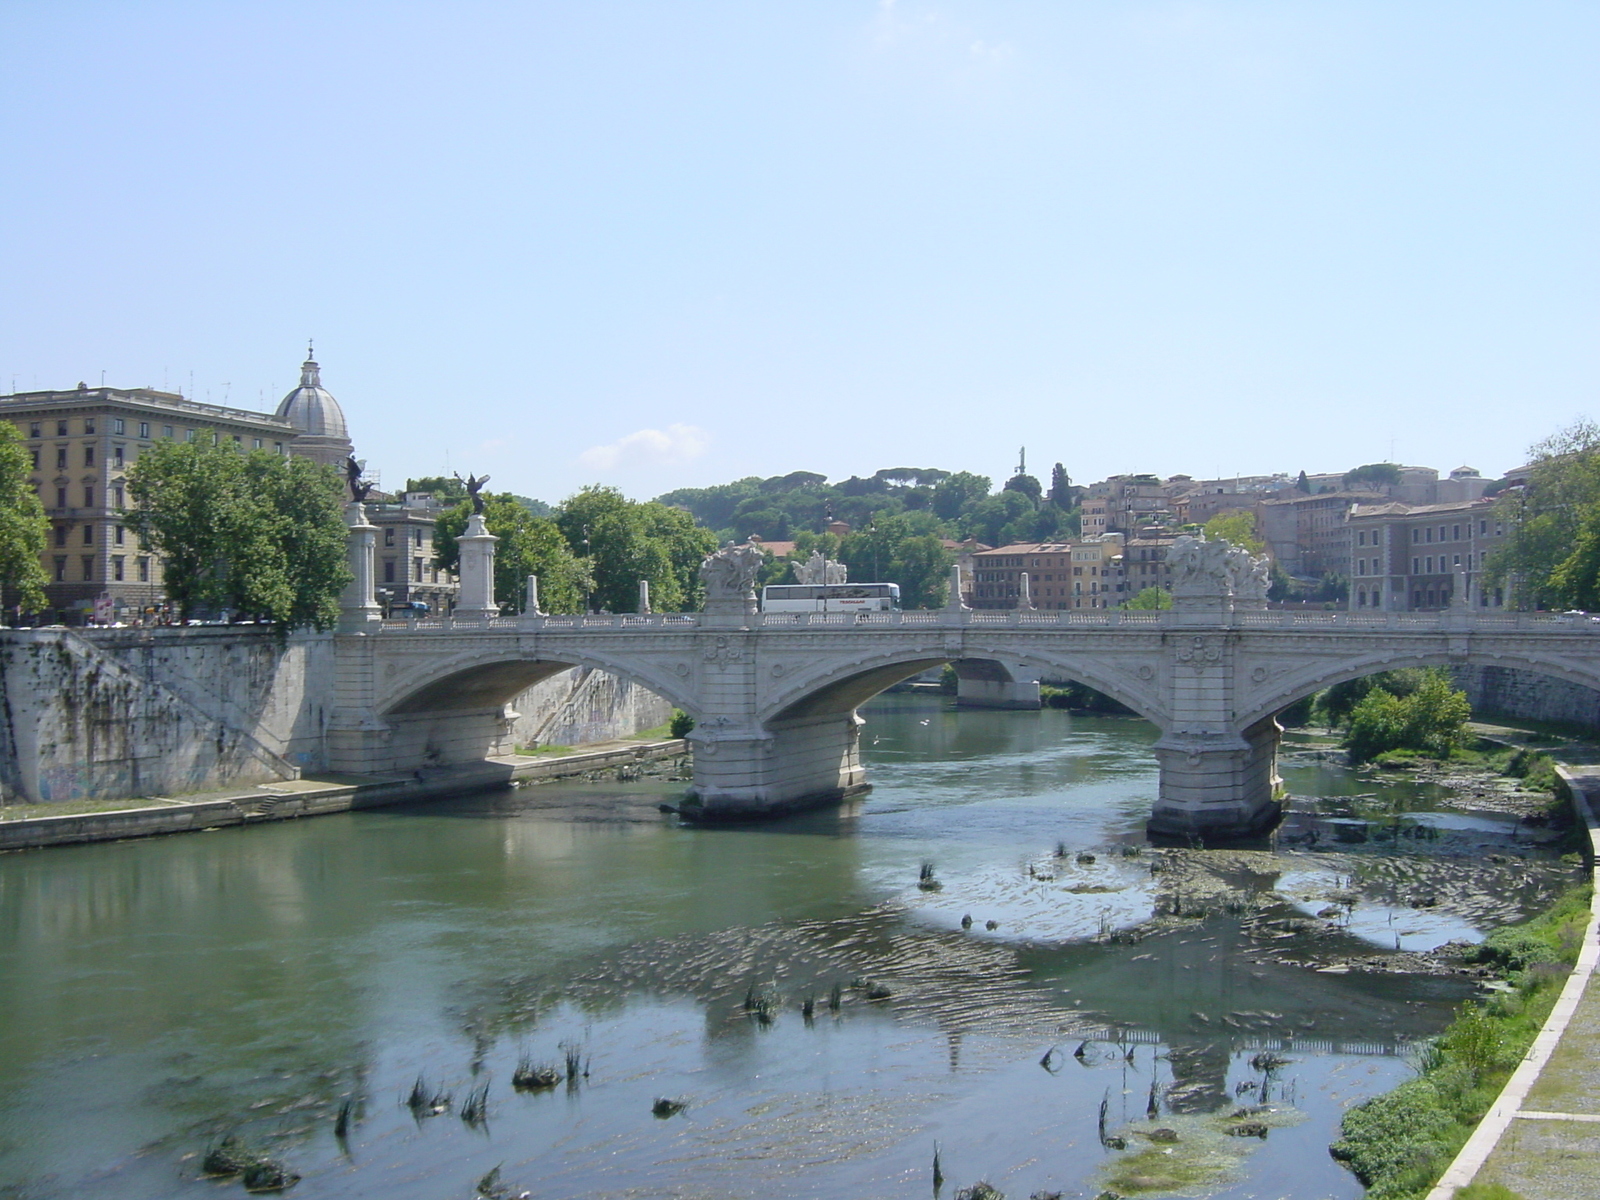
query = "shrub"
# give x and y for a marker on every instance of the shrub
(1432, 719)
(681, 723)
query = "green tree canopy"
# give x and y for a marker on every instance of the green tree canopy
(260, 535)
(1372, 475)
(1236, 525)
(625, 541)
(1150, 598)
(905, 549)
(24, 529)
(1552, 551)
(529, 545)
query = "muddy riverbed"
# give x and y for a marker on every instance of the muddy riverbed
(984, 956)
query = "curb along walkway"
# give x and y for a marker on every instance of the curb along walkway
(1541, 1137)
(313, 797)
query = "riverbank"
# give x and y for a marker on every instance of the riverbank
(312, 795)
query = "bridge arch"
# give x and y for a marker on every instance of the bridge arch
(473, 680)
(1325, 673)
(838, 689)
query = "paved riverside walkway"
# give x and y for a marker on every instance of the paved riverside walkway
(1541, 1138)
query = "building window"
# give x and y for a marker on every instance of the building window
(33, 430)
(61, 458)
(119, 426)
(61, 429)
(88, 567)
(88, 495)
(417, 539)
(166, 432)
(117, 498)
(1416, 536)
(88, 535)
(1416, 599)
(257, 444)
(61, 497)
(144, 570)
(1483, 528)
(61, 535)
(416, 569)
(144, 429)
(1416, 566)
(277, 447)
(388, 570)
(1361, 598)
(116, 567)
(188, 435)
(88, 456)
(120, 534)
(1430, 563)
(388, 537)
(61, 568)
(117, 456)
(88, 424)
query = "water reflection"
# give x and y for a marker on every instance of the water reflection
(160, 993)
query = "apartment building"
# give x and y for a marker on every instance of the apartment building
(1413, 558)
(1085, 574)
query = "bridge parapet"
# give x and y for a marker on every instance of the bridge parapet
(944, 618)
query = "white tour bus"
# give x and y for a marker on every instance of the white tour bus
(831, 597)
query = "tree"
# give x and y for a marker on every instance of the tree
(529, 545)
(1062, 494)
(1236, 525)
(1554, 524)
(445, 488)
(24, 529)
(1150, 598)
(1027, 485)
(904, 549)
(1431, 719)
(956, 493)
(1374, 476)
(259, 535)
(1302, 484)
(626, 541)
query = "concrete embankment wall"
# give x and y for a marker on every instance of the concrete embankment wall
(1524, 695)
(116, 713)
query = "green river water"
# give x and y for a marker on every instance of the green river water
(156, 995)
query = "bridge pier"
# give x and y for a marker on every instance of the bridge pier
(742, 774)
(1218, 786)
(990, 683)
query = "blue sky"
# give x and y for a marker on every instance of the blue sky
(666, 244)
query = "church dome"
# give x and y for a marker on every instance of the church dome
(310, 408)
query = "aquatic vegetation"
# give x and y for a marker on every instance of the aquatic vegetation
(475, 1110)
(926, 880)
(980, 1191)
(424, 1101)
(666, 1106)
(257, 1172)
(531, 1076)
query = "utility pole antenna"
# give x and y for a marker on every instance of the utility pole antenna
(1022, 461)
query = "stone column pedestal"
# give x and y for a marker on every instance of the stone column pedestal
(745, 774)
(358, 606)
(475, 599)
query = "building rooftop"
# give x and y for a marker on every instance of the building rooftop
(311, 408)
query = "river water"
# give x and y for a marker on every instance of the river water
(157, 995)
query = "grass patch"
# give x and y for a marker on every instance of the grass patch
(1400, 1142)
(656, 733)
(536, 751)
(1486, 1191)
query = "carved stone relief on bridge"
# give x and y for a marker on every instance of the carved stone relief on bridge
(1199, 652)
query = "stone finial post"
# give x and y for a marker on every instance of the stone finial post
(644, 597)
(952, 602)
(1024, 593)
(530, 604)
(475, 600)
(358, 606)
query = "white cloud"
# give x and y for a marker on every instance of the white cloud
(648, 448)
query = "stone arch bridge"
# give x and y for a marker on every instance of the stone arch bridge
(775, 695)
